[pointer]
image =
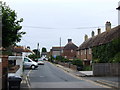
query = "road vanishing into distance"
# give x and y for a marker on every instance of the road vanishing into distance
(51, 76)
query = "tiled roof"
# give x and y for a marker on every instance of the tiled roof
(70, 46)
(102, 38)
(57, 48)
(20, 49)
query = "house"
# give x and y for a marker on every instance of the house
(69, 51)
(15, 64)
(16, 61)
(56, 51)
(21, 51)
(85, 49)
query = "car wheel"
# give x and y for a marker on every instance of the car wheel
(33, 67)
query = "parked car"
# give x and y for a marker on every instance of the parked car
(40, 62)
(28, 63)
(46, 59)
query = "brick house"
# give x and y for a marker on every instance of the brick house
(56, 51)
(69, 51)
(84, 51)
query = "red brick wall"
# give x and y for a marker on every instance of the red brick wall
(4, 71)
(82, 55)
(69, 54)
(0, 75)
(89, 55)
(0, 69)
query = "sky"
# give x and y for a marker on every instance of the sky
(45, 21)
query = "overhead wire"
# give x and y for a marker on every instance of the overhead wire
(65, 28)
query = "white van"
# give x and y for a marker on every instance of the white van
(28, 63)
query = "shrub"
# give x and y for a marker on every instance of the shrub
(87, 68)
(77, 62)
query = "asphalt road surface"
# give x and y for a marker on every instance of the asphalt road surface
(50, 76)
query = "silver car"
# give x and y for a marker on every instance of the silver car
(28, 63)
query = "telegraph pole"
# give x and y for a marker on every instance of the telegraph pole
(37, 50)
(60, 49)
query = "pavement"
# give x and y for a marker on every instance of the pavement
(113, 82)
(25, 81)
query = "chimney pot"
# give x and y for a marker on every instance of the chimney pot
(69, 40)
(93, 33)
(86, 37)
(99, 31)
(108, 26)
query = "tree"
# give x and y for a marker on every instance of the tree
(10, 27)
(44, 49)
(37, 53)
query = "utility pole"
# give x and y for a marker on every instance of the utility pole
(60, 49)
(37, 50)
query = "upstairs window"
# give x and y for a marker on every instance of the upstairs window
(89, 50)
(81, 52)
(85, 51)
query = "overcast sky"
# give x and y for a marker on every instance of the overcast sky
(45, 21)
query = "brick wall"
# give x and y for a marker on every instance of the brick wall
(4, 71)
(69, 54)
(74, 67)
(0, 75)
(85, 54)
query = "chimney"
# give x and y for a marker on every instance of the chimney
(93, 33)
(69, 40)
(108, 26)
(86, 37)
(99, 31)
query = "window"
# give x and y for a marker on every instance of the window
(85, 51)
(26, 60)
(71, 51)
(78, 53)
(12, 62)
(81, 52)
(89, 50)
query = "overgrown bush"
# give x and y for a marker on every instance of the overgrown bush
(87, 68)
(77, 62)
(106, 52)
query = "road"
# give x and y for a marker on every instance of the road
(50, 76)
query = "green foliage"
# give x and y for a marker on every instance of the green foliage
(105, 53)
(44, 49)
(77, 62)
(116, 58)
(37, 53)
(10, 27)
(87, 68)
(33, 56)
